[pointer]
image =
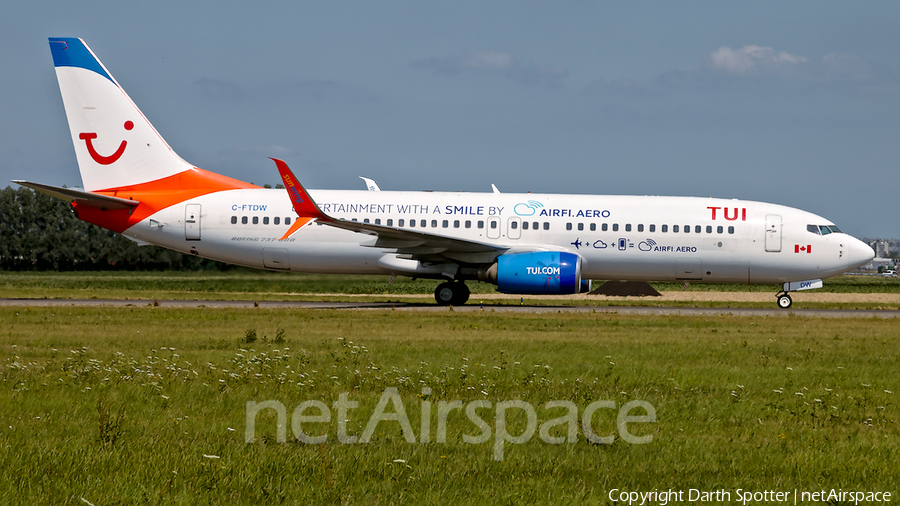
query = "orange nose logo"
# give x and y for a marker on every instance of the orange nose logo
(104, 160)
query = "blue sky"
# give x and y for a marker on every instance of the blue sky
(796, 103)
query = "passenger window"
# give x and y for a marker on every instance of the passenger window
(604, 227)
(378, 221)
(653, 228)
(674, 228)
(615, 227)
(665, 228)
(719, 229)
(468, 224)
(354, 219)
(455, 223)
(640, 228)
(234, 220)
(513, 225)
(445, 224)
(400, 222)
(581, 226)
(424, 223)
(265, 220)
(524, 225)
(731, 230)
(287, 221)
(534, 225)
(276, 220)
(366, 220)
(546, 226)
(687, 229)
(593, 227)
(433, 223)
(243, 220)
(390, 222)
(698, 229)
(628, 227)
(568, 226)
(709, 229)
(412, 223)
(480, 224)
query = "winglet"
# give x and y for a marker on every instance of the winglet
(304, 205)
(371, 185)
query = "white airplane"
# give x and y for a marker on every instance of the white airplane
(531, 243)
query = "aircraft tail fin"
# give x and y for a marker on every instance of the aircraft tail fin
(115, 145)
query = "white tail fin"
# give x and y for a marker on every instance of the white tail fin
(114, 143)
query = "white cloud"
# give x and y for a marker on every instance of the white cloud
(766, 66)
(752, 59)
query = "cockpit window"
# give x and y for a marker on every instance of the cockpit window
(823, 229)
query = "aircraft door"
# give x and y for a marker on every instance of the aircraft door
(773, 233)
(513, 228)
(493, 227)
(192, 222)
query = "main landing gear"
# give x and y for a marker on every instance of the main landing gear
(451, 293)
(784, 300)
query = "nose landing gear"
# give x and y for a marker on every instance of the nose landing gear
(784, 300)
(451, 293)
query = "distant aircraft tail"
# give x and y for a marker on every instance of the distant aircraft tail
(114, 143)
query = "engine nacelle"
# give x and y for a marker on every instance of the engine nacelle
(539, 273)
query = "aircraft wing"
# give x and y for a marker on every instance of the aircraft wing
(83, 198)
(419, 245)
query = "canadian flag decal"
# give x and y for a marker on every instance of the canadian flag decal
(804, 249)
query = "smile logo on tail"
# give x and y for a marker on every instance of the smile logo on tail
(104, 160)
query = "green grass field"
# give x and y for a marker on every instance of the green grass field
(246, 284)
(148, 405)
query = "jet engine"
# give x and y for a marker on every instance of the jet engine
(537, 273)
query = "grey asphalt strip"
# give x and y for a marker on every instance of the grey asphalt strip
(404, 306)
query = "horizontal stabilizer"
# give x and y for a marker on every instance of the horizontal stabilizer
(82, 198)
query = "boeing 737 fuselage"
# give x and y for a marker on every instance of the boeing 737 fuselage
(524, 243)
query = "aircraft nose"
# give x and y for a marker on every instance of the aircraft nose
(858, 253)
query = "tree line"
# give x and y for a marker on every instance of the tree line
(39, 232)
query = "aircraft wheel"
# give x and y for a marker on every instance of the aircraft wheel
(443, 294)
(462, 294)
(451, 294)
(784, 301)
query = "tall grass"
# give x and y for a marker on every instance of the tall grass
(148, 405)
